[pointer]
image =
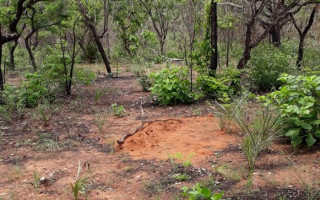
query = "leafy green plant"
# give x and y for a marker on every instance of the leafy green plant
(36, 179)
(80, 185)
(298, 102)
(145, 83)
(47, 144)
(171, 85)
(179, 158)
(199, 192)
(100, 120)
(84, 76)
(181, 177)
(117, 110)
(260, 128)
(213, 88)
(267, 63)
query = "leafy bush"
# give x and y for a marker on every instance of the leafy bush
(260, 128)
(298, 101)
(171, 86)
(231, 77)
(117, 110)
(29, 93)
(267, 63)
(33, 90)
(212, 88)
(84, 76)
(145, 83)
(199, 192)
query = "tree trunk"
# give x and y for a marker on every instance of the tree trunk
(101, 50)
(247, 48)
(162, 46)
(1, 75)
(214, 38)
(31, 57)
(300, 52)
(12, 60)
(303, 34)
(275, 33)
(245, 58)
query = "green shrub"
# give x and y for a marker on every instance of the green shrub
(118, 110)
(33, 90)
(298, 102)
(145, 83)
(232, 78)
(267, 63)
(200, 192)
(212, 87)
(171, 86)
(28, 94)
(84, 76)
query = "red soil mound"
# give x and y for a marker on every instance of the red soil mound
(200, 136)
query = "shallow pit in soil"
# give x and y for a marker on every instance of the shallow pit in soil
(200, 136)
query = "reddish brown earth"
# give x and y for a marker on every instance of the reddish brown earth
(200, 136)
(140, 168)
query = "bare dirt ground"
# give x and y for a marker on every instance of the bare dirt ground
(139, 168)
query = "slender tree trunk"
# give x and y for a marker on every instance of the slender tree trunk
(101, 50)
(31, 56)
(247, 48)
(302, 35)
(214, 38)
(300, 52)
(12, 60)
(92, 27)
(162, 46)
(1, 75)
(245, 58)
(275, 33)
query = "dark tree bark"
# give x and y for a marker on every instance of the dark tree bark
(12, 60)
(275, 35)
(29, 50)
(93, 29)
(302, 35)
(214, 38)
(1, 75)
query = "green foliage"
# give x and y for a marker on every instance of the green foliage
(84, 76)
(33, 90)
(80, 186)
(199, 192)
(36, 179)
(90, 53)
(171, 86)
(27, 95)
(179, 158)
(145, 83)
(298, 102)
(260, 129)
(117, 110)
(213, 88)
(267, 63)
